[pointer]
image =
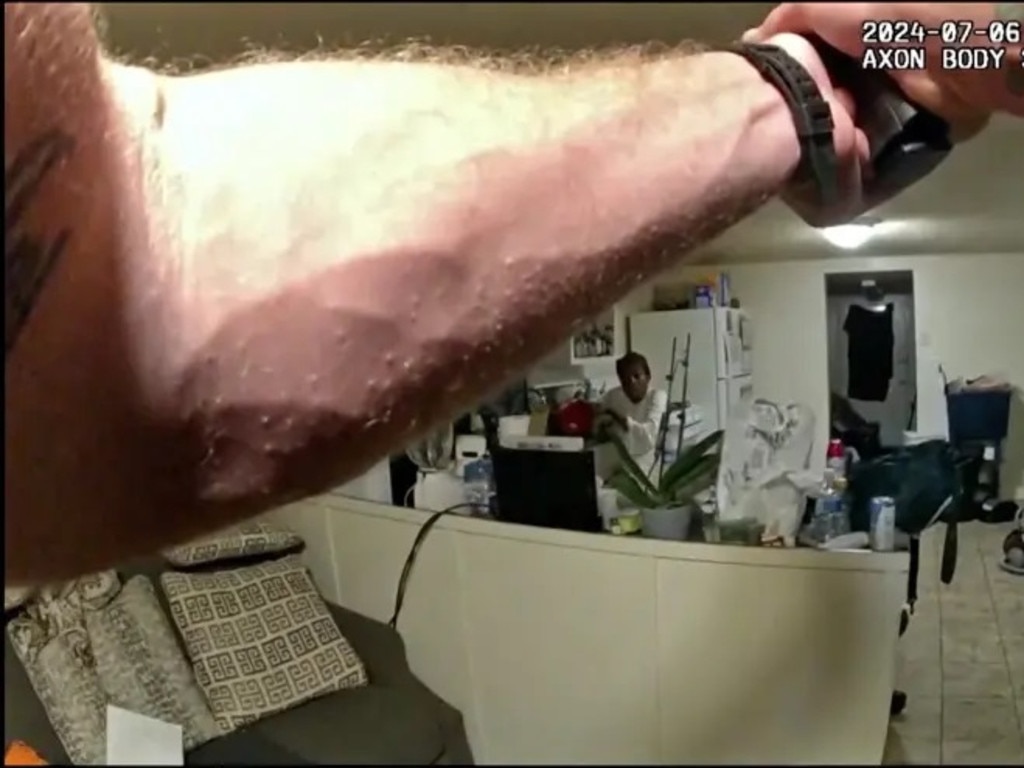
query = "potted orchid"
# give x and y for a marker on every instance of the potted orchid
(666, 505)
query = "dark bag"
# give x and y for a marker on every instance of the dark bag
(926, 482)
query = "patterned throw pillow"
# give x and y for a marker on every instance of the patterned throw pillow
(241, 541)
(84, 648)
(142, 667)
(15, 597)
(260, 638)
(50, 639)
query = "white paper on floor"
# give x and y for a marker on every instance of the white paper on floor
(134, 739)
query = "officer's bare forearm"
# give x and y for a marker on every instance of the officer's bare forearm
(80, 461)
(372, 246)
(321, 259)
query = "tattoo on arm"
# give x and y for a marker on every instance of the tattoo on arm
(29, 257)
(1015, 71)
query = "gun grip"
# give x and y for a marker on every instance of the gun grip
(906, 141)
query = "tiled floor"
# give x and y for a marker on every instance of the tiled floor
(962, 659)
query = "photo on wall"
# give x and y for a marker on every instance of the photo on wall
(596, 340)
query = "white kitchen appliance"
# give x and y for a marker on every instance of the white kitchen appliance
(721, 347)
(468, 448)
(438, 486)
(438, 489)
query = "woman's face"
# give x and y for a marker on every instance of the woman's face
(634, 381)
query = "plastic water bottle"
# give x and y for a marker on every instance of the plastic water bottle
(835, 459)
(479, 485)
(840, 519)
(821, 520)
(831, 515)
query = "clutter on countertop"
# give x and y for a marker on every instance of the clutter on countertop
(764, 470)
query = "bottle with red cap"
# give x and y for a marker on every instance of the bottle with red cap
(835, 461)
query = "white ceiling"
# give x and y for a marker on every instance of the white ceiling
(972, 204)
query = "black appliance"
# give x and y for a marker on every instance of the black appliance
(551, 489)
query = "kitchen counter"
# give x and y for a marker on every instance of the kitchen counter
(566, 647)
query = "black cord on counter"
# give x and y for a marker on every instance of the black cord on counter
(403, 580)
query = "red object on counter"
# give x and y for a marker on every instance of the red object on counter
(576, 419)
(836, 450)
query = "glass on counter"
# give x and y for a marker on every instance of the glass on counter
(745, 531)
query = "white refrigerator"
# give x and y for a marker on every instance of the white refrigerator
(721, 344)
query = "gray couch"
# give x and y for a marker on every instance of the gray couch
(396, 719)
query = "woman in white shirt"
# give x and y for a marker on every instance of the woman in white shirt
(634, 411)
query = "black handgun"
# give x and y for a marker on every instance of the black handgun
(906, 141)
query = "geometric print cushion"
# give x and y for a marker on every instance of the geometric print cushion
(15, 597)
(81, 654)
(240, 541)
(141, 666)
(260, 639)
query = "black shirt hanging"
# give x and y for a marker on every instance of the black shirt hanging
(869, 351)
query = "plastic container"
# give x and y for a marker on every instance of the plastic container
(835, 458)
(839, 522)
(479, 484)
(820, 526)
(704, 297)
(672, 523)
(883, 523)
(607, 506)
(831, 516)
(513, 426)
(978, 415)
(628, 523)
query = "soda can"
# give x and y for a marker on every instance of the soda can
(883, 523)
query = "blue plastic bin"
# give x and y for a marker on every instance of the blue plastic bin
(978, 415)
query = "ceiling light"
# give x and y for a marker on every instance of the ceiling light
(849, 236)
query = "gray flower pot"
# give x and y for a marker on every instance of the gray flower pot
(672, 523)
